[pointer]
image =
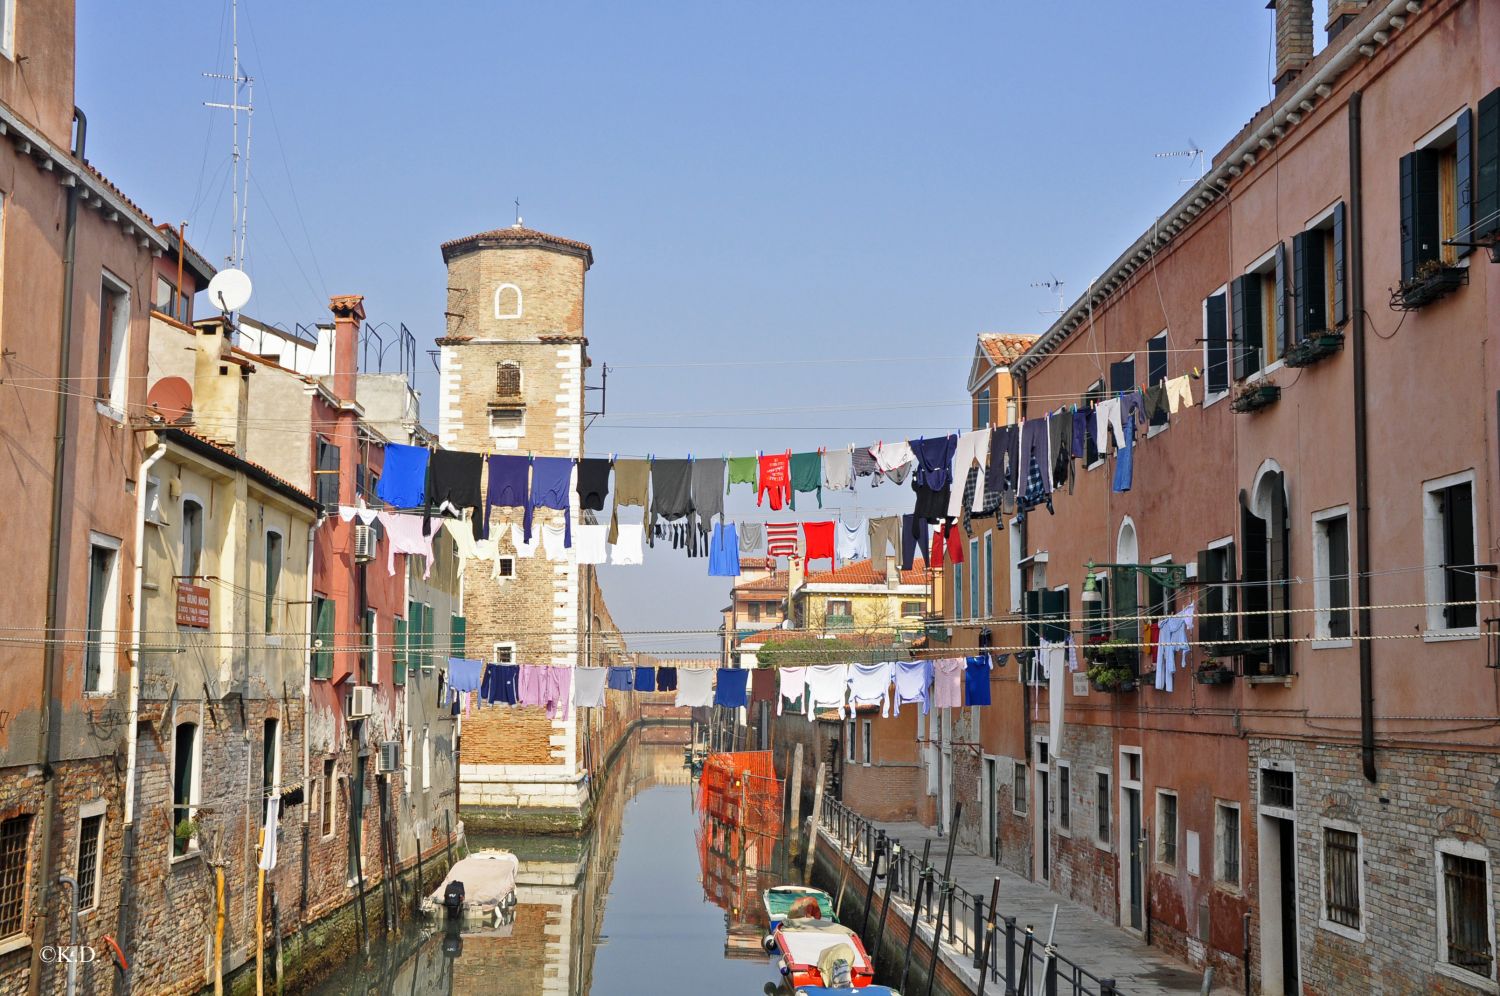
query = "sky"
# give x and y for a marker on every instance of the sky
(801, 214)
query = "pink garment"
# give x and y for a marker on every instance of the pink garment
(403, 534)
(948, 683)
(540, 685)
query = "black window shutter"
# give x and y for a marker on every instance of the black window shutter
(1300, 260)
(1283, 287)
(1055, 611)
(1216, 334)
(1419, 210)
(1463, 180)
(1208, 575)
(1340, 293)
(1253, 591)
(1310, 295)
(1487, 166)
(1248, 330)
(1232, 603)
(1123, 586)
(1033, 609)
(1156, 371)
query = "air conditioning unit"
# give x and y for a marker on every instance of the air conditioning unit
(390, 757)
(364, 543)
(361, 701)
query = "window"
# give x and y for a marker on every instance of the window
(1266, 588)
(982, 409)
(426, 759)
(1466, 932)
(1156, 374)
(1215, 346)
(169, 301)
(326, 475)
(1331, 569)
(989, 575)
(273, 577)
(1166, 827)
(1018, 790)
(974, 566)
(507, 380)
(752, 611)
(849, 744)
(912, 609)
(864, 741)
(507, 421)
(15, 845)
(1341, 878)
(7, 49)
(1436, 196)
(1227, 843)
(1278, 788)
(399, 657)
(458, 635)
(114, 341)
(960, 579)
(1093, 454)
(369, 663)
(270, 761)
(322, 646)
(1064, 796)
(1101, 807)
(1258, 312)
(90, 834)
(840, 614)
(192, 537)
(505, 653)
(185, 789)
(103, 615)
(330, 797)
(1318, 288)
(507, 301)
(1161, 599)
(1448, 529)
(1216, 576)
(505, 567)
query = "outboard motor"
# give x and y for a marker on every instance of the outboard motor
(453, 899)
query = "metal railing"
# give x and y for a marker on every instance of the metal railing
(1011, 958)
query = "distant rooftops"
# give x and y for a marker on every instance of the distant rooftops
(1004, 348)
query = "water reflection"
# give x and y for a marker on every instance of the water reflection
(645, 904)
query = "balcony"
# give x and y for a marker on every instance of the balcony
(838, 624)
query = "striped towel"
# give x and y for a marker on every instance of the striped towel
(781, 539)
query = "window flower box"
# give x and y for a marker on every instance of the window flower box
(1254, 397)
(1314, 348)
(1434, 280)
(1213, 674)
(1108, 677)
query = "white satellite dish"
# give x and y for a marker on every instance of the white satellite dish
(229, 289)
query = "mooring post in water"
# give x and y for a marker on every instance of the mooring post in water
(416, 894)
(796, 823)
(885, 907)
(987, 942)
(944, 894)
(448, 823)
(276, 937)
(817, 814)
(916, 915)
(864, 919)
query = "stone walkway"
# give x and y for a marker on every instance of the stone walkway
(1085, 937)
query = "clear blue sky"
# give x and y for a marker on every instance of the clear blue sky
(812, 182)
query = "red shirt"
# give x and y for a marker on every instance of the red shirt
(775, 477)
(818, 540)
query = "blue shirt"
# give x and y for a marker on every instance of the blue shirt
(730, 691)
(403, 480)
(645, 679)
(977, 680)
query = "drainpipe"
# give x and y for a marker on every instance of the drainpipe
(127, 858)
(1354, 246)
(306, 705)
(1019, 389)
(48, 743)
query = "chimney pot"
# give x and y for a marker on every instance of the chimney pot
(1294, 38)
(1341, 13)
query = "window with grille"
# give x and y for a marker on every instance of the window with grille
(1166, 828)
(1101, 807)
(1018, 790)
(1277, 788)
(329, 797)
(1227, 849)
(1341, 877)
(1064, 797)
(1466, 903)
(15, 840)
(507, 380)
(89, 829)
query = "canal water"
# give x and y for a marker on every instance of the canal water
(646, 904)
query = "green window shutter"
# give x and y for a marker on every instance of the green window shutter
(1123, 586)
(398, 652)
(1419, 210)
(1340, 291)
(1283, 287)
(322, 659)
(458, 636)
(1487, 166)
(1463, 180)
(1248, 329)
(1216, 334)
(1310, 287)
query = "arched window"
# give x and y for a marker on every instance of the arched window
(507, 301)
(1266, 589)
(192, 536)
(185, 788)
(1124, 585)
(507, 380)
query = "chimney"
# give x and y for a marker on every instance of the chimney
(348, 311)
(221, 386)
(1294, 38)
(1341, 13)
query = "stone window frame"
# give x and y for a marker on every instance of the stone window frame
(109, 629)
(866, 741)
(1237, 886)
(1020, 798)
(1064, 824)
(1436, 629)
(100, 808)
(1478, 852)
(1105, 841)
(520, 302)
(1210, 398)
(193, 848)
(1157, 857)
(1322, 590)
(1332, 926)
(328, 799)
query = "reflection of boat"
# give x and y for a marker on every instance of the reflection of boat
(779, 900)
(822, 953)
(479, 888)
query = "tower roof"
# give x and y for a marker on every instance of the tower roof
(517, 237)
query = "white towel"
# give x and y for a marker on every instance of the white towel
(589, 684)
(695, 686)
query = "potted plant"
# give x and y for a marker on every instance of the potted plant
(1254, 397)
(1314, 347)
(1212, 672)
(1434, 279)
(1111, 677)
(1116, 653)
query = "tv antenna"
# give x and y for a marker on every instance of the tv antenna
(1192, 154)
(241, 98)
(1053, 285)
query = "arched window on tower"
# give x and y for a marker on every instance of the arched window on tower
(507, 301)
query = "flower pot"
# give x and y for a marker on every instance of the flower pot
(1253, 399)
(1429, 287)
(1314, 348)
(1214, 676)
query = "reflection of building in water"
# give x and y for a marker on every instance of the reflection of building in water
(739, 827)
(561, 889)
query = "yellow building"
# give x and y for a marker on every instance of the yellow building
(854, 598)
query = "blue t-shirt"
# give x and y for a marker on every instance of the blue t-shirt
(977, 680)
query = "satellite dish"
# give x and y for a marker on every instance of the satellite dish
(229, 289)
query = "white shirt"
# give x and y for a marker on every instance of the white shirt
(589, 543)
(852, 541)
(826, 685)
(588, 685)
(629, 546)
(518, 540)
(553, 540)
(695, 686)
(870, 684)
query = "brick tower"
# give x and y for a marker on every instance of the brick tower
(512, 381)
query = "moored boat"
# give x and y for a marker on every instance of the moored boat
(822, 953)
(783, 901)
(478, 888)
